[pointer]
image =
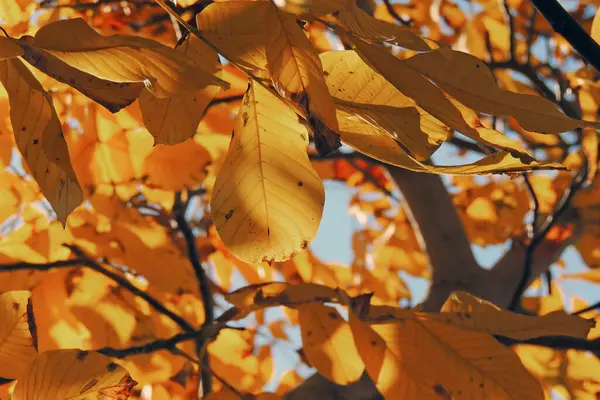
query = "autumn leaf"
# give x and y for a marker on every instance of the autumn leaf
(9, 48)
(467, 311)
(263, 210)
(328, 343)
(17, 347)
(66, 374)
(39, 137)
(121, 58)
(174, 119)
(468, 80)
(254, 297)
(237, 30)
(365, 26)
(395, 356)
(111, 95)
(364, 98)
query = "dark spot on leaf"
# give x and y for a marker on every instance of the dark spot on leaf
(304, 244)
(35, 141)
(111, 367)
(373, 343)
(441, 391)
(268, 231)
(23, 129)
(467, 315)
(300, 183)
(16, 306)
(245, 117)
(309, 333)
(31, 324)
(229, 214)
(332, 315)
(88, 386)
(81, 355)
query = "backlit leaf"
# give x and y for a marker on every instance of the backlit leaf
(17, 348)
(121, 58)
(174, 119)
(362, 24)
(263, 209)
(295, 66)
(39, 137)
(328, 343)
(397, 358)
(9, 48)
(464, 310)
(111, 95)
(467, 79)
(73, 374)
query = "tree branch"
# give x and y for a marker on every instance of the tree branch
(453, 265)
(179, 210)
(564, 24)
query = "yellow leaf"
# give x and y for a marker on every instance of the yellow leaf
(412, 83)
(467, 311)
(174, 119)
(9, 48)
(121, 58)
(176, 167)
(236, 28)
(328, 343)
(267, 200)
(398, 357)
(17, 347)
(351, 80)
(73, 374)
(261, 295)
(595, 31)
(467, 79)
(111, 95)
(294, 64)
(38, 134)
(365, 26)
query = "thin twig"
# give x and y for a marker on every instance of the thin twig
(390, 9)
(179, 210)
(530, 34)
(511, 27)
(586, 309)
(540, 236)
(123, 282)
(535, 206)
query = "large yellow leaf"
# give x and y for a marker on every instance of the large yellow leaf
(350, 79)
(73, 374)
(465, 310)
(38, 134)
(433, 100)
(112, 95)
(379, 145)
(17, 348)
(328, 343)
(236, 28)
(9, 48)
(121, 58)
(468, 80)
(423, 359)
(267, 200)
(174, 119)
(362, 24)
(295, 66)
(254, 297)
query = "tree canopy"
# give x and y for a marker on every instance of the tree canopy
(162, 182)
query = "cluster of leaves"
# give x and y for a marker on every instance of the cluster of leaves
(172, 176)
